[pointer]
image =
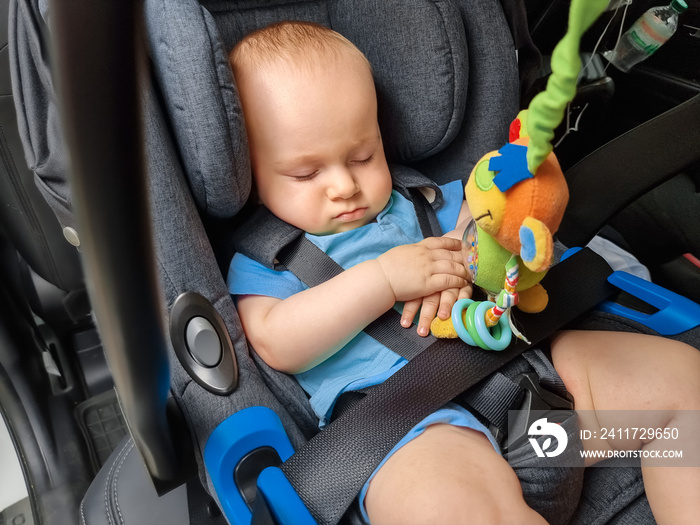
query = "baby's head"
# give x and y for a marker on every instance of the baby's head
(310, 109)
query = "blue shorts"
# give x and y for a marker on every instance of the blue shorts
(451, 414)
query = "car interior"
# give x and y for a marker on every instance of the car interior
(125, 174)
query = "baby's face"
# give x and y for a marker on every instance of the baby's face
(315, 146)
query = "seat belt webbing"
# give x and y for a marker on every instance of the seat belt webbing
(313, 266)
(427, 219)
(493, 398)
(651, 153)
(331, 468)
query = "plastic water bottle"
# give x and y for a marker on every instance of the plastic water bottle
(646, 35)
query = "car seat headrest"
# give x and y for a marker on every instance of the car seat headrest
(191, 65)
(418, 50)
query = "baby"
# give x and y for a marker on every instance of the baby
(318, 162)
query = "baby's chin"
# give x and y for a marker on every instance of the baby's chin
(341, 227)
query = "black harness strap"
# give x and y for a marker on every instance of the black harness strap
(313, 266)
(427, 219)
(653, 152)
(493, 398)
(546, 373)
(308, 262)
(331, 468)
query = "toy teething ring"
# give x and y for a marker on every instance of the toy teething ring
(493, 341)
(458, 310)
(473, 330)
(471, 326)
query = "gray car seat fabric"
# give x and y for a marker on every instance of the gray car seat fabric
(37, 115)
(29, 222)
(202, 104)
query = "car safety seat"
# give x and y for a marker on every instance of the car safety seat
(447, 81)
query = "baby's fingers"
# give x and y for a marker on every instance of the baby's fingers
(410, 309)
(442, 243)
(449, 267)
(466, 292)
(447, 299)
(444, 281)
(427, 313)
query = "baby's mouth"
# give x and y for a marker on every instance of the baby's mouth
(352, 215)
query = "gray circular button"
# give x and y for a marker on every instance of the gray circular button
(71, 236)
(203, 342)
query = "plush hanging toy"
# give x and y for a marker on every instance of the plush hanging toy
(517, 197)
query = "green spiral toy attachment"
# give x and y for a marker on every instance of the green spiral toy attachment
(546, 110)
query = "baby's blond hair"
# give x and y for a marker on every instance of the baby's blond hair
(301, 46)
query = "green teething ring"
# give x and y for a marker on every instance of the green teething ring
(497, 340)
(471, 326)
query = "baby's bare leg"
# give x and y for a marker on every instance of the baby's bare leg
(645, 375)
(449, 475)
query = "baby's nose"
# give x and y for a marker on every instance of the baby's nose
(343, 185)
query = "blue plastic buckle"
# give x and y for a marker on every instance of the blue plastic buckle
(676, 313)
(239, 434)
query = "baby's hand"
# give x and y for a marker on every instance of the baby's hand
(429, 307)
(419, 270)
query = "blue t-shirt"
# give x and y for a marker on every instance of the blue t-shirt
(363, 361)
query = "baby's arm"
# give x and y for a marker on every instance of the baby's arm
(439, 303)
(297, 333)
(462, 221)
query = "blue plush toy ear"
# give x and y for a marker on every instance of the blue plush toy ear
(536, 243)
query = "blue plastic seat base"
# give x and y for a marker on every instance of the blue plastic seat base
(237, 436)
